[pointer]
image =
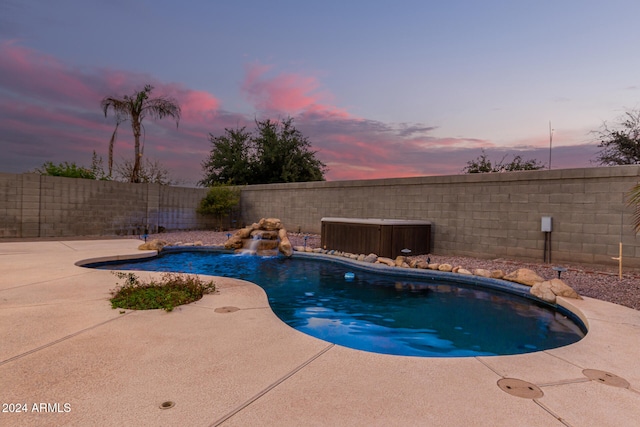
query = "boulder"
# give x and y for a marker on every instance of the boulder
(464, 271)
(361, 257)
(371, 258)
(285, 247)
(434, 266)
(270, 224)
(445, 267)
(198, 243)
(543, 291)
(399, 260)
(235, 242)
(422, 265)
(298, 248)
(482, 272)
(456, 268)
(497, 274)
(153, 245)
(244, 233)
(524, 276)
(386, 261)
(550, 289)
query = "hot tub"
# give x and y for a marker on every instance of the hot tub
(383, 237)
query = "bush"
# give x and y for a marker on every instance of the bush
(171, 291)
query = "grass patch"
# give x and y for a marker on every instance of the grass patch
(171, 291)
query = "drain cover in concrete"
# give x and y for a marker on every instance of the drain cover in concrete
(606, 378)
(226, 309)
(520, 388)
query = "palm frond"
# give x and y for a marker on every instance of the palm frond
(634, 200)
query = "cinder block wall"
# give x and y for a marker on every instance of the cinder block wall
(480, 215)
(44, 206)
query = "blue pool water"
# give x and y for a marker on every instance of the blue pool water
(381, 313)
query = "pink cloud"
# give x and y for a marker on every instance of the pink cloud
(50, 111)
(287, 92)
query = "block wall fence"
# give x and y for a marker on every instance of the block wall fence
(32, 205)
(480, 215)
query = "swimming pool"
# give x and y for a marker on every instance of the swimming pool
(383, 312)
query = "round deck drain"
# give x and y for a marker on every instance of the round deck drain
(606, 378)
(167, 405)
(520, 388)
(226, 309)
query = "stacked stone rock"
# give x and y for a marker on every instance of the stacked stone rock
(271, 233)
(546, 290)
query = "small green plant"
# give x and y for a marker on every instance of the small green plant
(171, 291)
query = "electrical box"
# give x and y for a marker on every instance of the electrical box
(546, 224)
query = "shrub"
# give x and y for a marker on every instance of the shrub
(171, 291)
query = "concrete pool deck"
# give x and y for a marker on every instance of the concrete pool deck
(63, 346)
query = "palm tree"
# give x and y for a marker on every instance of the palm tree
(135, 108)
(634, 200)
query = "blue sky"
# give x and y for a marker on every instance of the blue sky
(381, 88)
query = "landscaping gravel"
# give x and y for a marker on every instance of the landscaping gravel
(595, 281)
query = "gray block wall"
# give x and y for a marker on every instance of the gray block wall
(480, 215)
(45, 206)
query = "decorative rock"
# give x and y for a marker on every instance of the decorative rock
(464, 271)
(298, 248)
(405, 265)
(308, 249)
(399, 260)
(353, 256)
(445, 267)
(270, 224)
(543, 291)
(497, 274)
(244, 233)
(154, 245)
(235, 242)
(285, 246)
(198, 243)
(422, 264)
(434, 266)
(524, 276)
(371, 258)
(317, 250)
(361, 257)
(455, 269)
(561, 289)
(387, 261)
(482, 272)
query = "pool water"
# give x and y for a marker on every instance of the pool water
(379, 313)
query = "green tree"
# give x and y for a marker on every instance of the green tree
(219, 201)
(72, 170)
(482, 164)
(231, 158)
(135, 108)
(283, 154)
(275, 152)
(620, 142)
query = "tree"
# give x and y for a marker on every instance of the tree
(275, 152)
(482, 164)
(151, 172)
(231, 158)
(220, 200)
(620, 143)
(72, 170)
(135, 108)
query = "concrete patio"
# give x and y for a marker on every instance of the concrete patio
(63, 345)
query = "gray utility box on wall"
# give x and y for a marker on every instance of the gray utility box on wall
(383, 237)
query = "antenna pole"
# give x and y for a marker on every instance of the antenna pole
(550, 143)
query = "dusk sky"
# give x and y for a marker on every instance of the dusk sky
(382, 89)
